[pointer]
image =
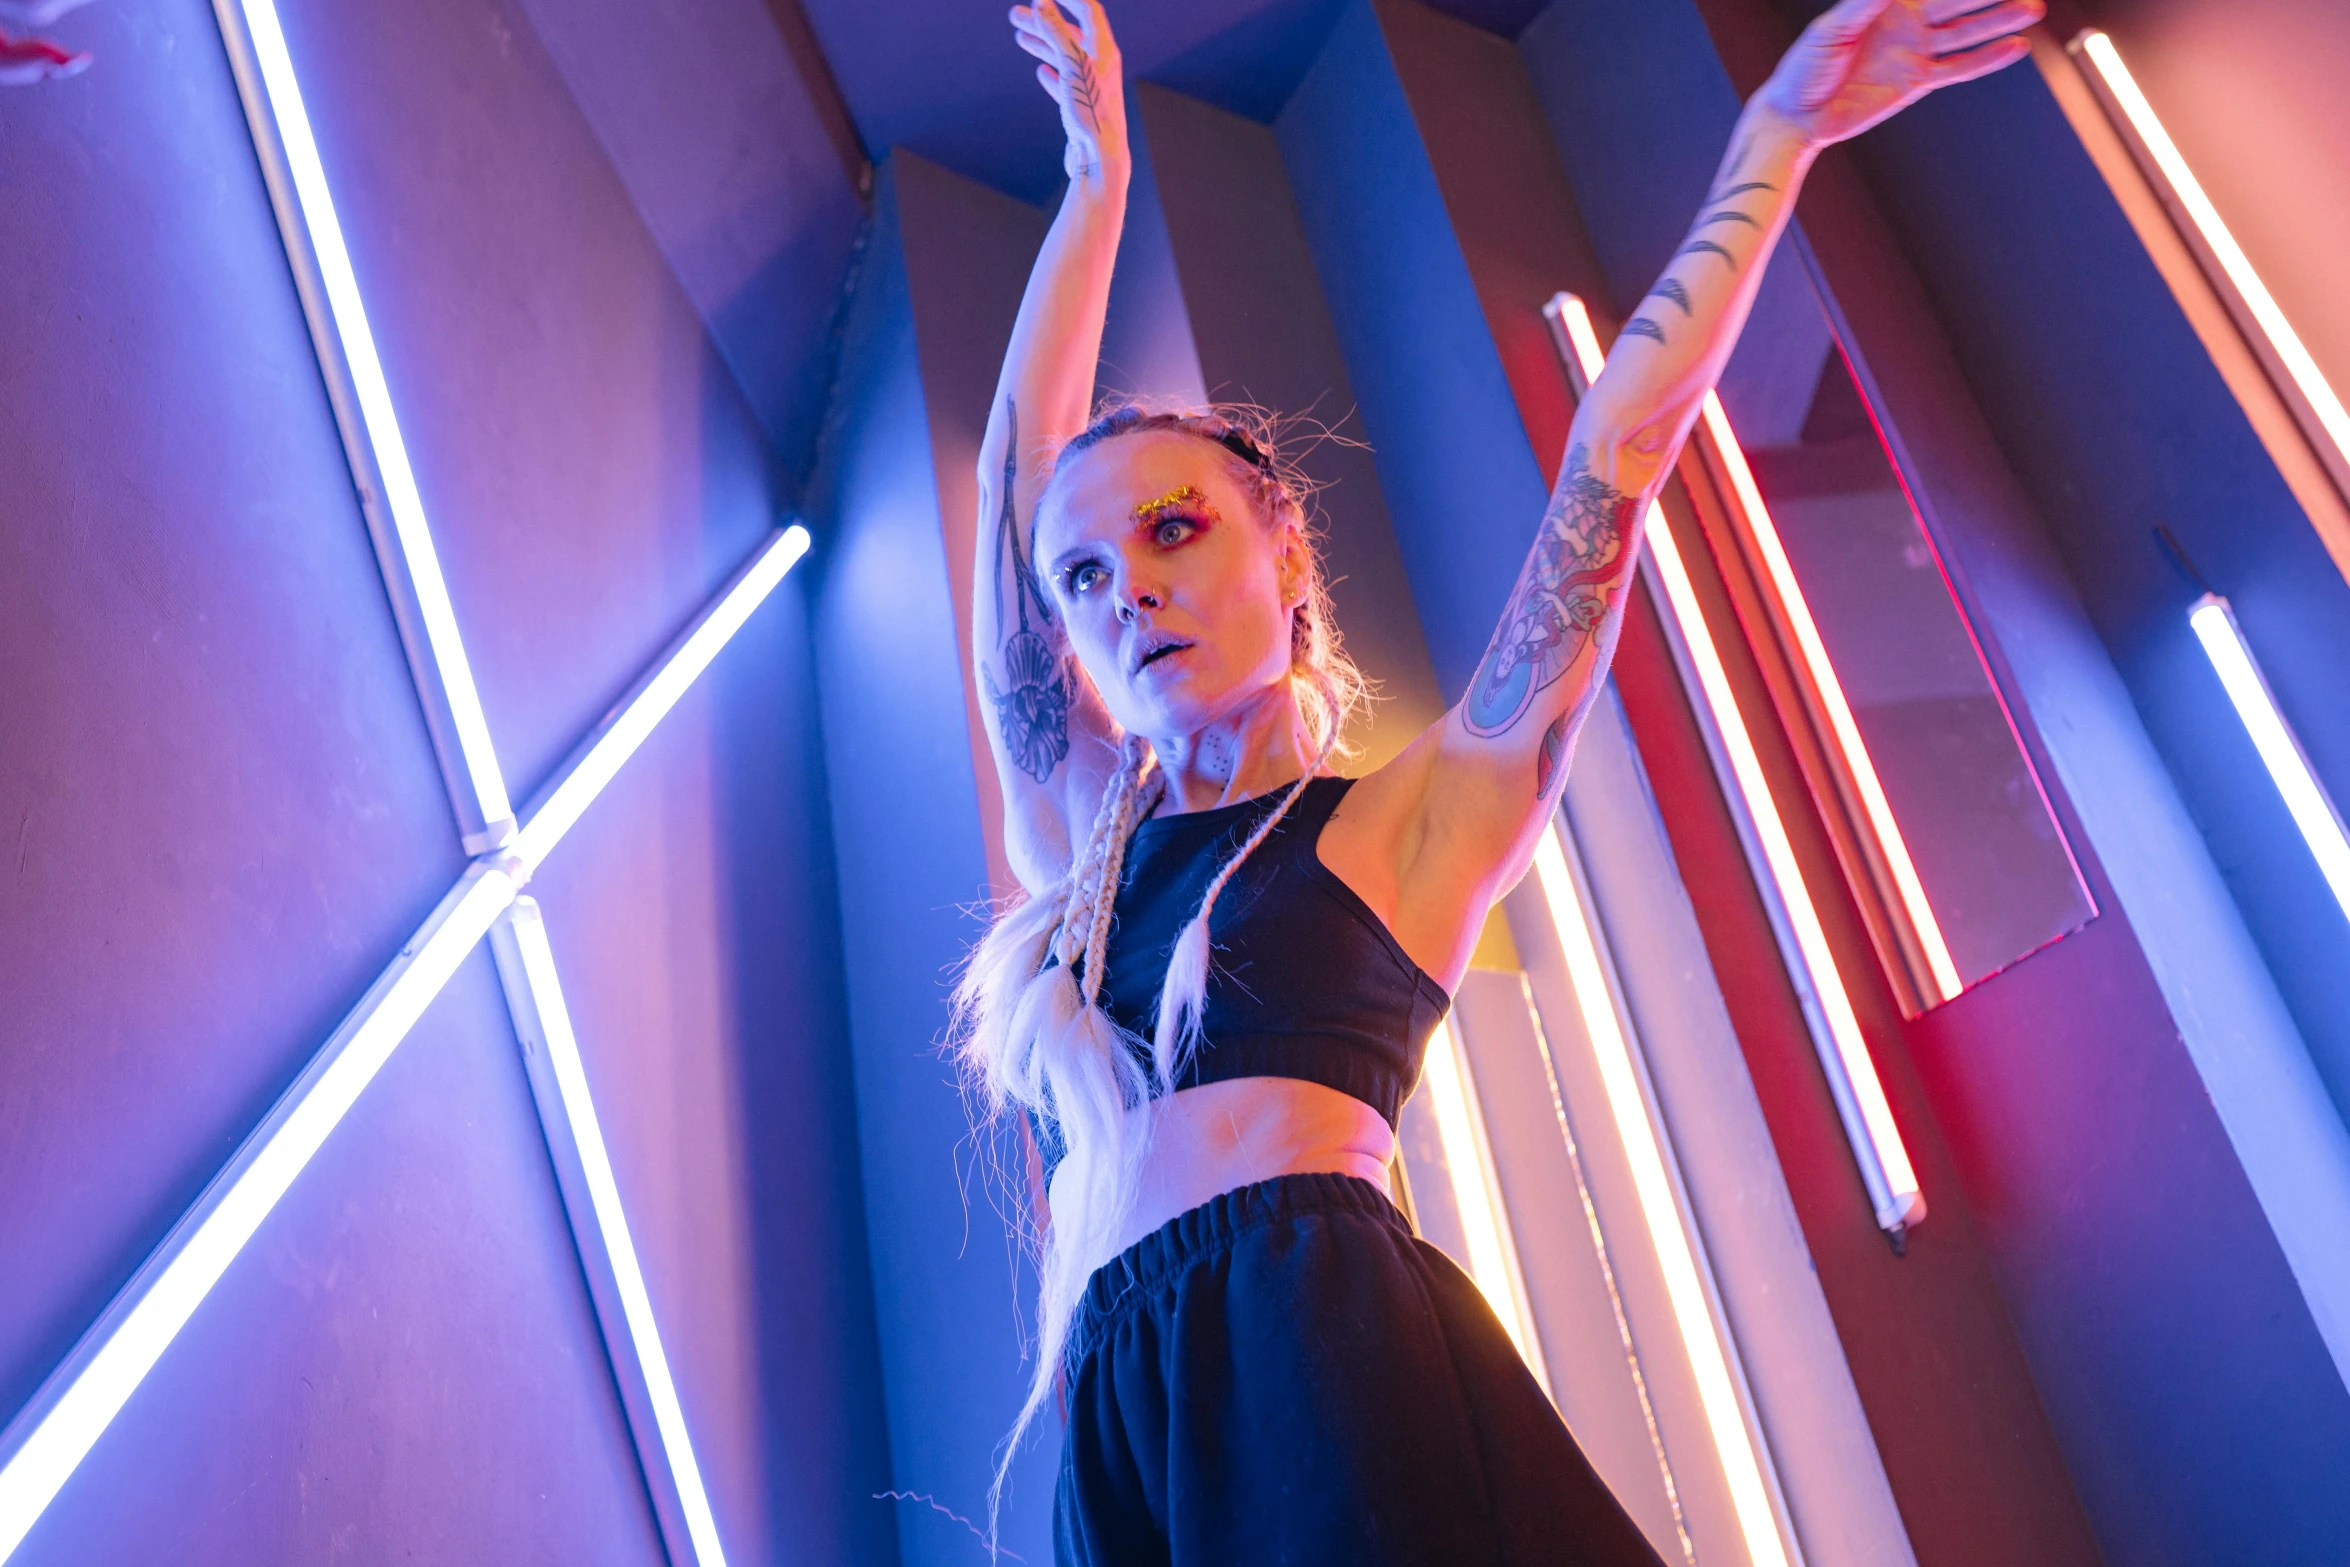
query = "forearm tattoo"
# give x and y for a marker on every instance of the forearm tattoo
(1716, 214)
(1578, 566)
(1031, 698)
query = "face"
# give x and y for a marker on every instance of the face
(1176, 594)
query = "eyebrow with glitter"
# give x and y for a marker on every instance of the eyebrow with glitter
(1181, 495)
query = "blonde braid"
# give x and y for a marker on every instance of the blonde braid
(1131, 808)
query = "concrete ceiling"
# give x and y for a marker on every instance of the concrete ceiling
(736, 126)
(943, 77)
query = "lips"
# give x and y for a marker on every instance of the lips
(1156, 649)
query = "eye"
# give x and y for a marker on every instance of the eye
(1082, 577)
(1168, 532)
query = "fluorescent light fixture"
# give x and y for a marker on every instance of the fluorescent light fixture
(51, 1436)
(1660, 1208)
(1863, 772)
(48, 1439)
(1476, 1194)
(1852, 1076)
(2231, 657)
(2239, 285)
(615, 740)
(374, 398)
(543, 1019)
(83, 1396)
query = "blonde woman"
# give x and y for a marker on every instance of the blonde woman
(1215, 995)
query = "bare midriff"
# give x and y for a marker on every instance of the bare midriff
(1218, 1137)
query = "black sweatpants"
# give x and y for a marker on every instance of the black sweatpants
(1287, 1375)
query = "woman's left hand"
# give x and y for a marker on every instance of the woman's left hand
(1863, 60)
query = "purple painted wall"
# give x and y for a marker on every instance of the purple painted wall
(223, 817)
(730, 138)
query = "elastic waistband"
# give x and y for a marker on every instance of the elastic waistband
(1209, 1228)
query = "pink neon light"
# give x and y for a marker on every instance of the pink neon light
(1823, 673)
(1894, 1191)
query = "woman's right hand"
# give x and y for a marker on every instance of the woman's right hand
(1079, 66)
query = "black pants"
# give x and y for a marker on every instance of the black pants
(1287, 1375)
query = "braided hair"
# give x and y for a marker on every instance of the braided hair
(1030, 1030)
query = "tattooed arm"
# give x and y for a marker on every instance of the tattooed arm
(1047, 729)
(1486, 776)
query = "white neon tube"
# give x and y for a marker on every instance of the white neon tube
(2291, 353)
(617, 739)
(1879, 810)
(1476, 1194)
(1852, 1076)
(2313, 812)
(1724, 1416)
(151, 1312)
(375, 408)
(587, 1136)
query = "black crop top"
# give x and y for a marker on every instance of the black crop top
(1306, 981)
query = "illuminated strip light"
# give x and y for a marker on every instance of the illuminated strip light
(1831, 691)
(616, 739)
(1725, 1414)
(83, 1395)
(2240, 284)
(48, 1440)
(2231, 657)
(1852, 1076)
(527, 964)
(365, 369)
(1476, 1193)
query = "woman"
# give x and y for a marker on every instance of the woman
(1216, 993)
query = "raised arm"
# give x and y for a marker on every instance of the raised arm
(1046, 727)
(1498, 756)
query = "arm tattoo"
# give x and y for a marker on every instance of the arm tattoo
(1576, 569)
(1732, 216)
(1740, 190)
(1737, 159)
(1549, 762)
(1641, 326)
(1709, 248)
(1032, 715)
(1670, 288)
(1084, 89)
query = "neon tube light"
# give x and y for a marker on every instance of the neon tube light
(1725, 1415)
(1476, 1193)
(1852, 1076)
(49, 1438)
(550, 1020)
(86, 1393)
(374, 397)
(1823, 674)
(2231, 657)
(632, 719)
(2251, 295)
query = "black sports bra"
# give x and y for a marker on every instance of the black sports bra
(1306, 981)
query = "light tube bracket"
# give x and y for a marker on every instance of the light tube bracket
(46, 1441)
(372, 444)
(607, 1254)
(1878, 1152)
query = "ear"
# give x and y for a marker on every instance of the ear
(1294, 561)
